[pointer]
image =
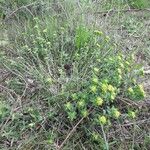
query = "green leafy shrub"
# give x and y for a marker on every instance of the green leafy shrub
(113, 77)
(110, 77)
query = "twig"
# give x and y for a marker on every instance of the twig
(128, 101)
(69, 134)
(137, 122)
(73, 129)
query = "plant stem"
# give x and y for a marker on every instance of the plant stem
(105, 139)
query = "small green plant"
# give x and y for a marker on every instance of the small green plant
(82, 37)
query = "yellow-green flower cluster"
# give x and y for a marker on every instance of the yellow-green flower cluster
(74, 96)
(96, 70)
(136, 92)
(107, 38)
(84, 113)
(130, 91)
(108, 88)
(131, 114)
(98, 33)
(95, 80)
(119, 57)
(81, 103)
(95, 136)
(98, 45)
(104, 87)
(140, 91)
(68, 106)
(127, 63)
(119, 71)
(141, 88)
(121, 65)
(102, 120)
(99, 101)
(115, 113)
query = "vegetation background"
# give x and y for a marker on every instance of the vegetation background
(74, 74)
